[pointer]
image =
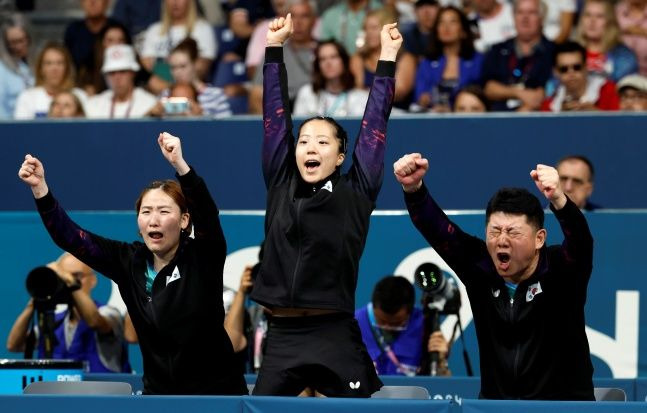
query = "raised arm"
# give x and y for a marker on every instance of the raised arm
(457, 248)
(106, 256)
(202, 208)
(368, 157)
(578, 241)
(278, 142)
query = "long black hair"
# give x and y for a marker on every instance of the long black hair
(435, 50)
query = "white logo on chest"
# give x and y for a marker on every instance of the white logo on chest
(174, 276)
(327, 186)
(533, 290)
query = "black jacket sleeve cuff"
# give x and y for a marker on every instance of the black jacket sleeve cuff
(188, 179)
(385, 68)
(568, 209)
(46, 203)
(416, 197)
(273, 54)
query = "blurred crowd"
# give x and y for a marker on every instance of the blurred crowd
(169, 58)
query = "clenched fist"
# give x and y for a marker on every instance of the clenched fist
(409, 171)
(32, 173)
(547, 180)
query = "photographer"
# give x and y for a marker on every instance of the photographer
(393, 330)
(84, 331)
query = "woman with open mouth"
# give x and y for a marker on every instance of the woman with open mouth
(316, 225)
(171, 283)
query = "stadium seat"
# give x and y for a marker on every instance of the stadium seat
(401, 392)
(609, 394)
(79, 387)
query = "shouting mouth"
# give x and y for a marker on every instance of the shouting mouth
(155, 235)
(312, 165)
(503, 259)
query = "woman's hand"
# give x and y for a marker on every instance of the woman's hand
(32, 173)
(391, 40)
(279, 30)
(171, 148)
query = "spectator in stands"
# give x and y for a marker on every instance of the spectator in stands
(522, 293)
(183, 59)
(471, 99)
(559, 19)
(179, 20)
(364, 61)
(344, 21)
(495, 23)
(332, 91)
(113, 33)
(633, 93)
(418, 36)
(598, 32)
(393, 329)
(66, 105)
(632, 19)
(237, 319)
(516, 71)
(137, 16)
(168, 281)
(81, 36)
(15, 74)
(86, 330)
(452, 62)
(579, 90)
(256, 46)
(123, 99)
(54, 73)
(298, 55)
(175, 96)
(576, 179)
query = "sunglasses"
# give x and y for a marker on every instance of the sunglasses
(565, 68)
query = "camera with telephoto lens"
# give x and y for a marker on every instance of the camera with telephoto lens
(47, 289)
(440, 291)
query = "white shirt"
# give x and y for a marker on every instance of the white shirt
(495, 29)
(34, 102)
(350, 103)
(101, 106)
(159, 45)
(555, 8)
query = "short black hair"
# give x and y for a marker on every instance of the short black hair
(340, 132)
(392, 293)
(580, 158)
(516, 201)
(569, 46)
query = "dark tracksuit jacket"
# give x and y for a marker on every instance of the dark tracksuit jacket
(184, 345)
(315, 234)
(532, 345)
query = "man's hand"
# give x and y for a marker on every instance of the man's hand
(531, 98)
(171, 148)
(390, 40)
(279, 30)
(547, 180)
(246, 282)
(32, 173)
(438, 343)
(409, 171)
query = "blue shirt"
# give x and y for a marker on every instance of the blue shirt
(11, 84)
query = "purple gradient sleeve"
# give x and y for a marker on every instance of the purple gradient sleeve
(367, 170)
(459, 249)
(277, 120)
(103, 255)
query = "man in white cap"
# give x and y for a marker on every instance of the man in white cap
(123, 99)
(633, 93)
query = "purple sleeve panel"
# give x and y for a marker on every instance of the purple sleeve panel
(577, 246)
(202, 210)
(367, 170)
(111, 258)
(278, 142)
(460, 250)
